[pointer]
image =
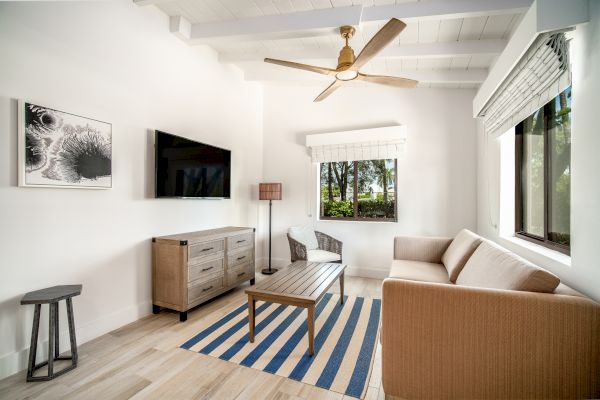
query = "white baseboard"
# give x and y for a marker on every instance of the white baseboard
(363, 272)
(16, 361)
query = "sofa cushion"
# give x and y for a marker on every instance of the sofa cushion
(459, 251)
(305, 235)
(492, 266)
(322, 256)
(419, 271)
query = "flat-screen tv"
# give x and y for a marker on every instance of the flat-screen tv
(189, 169)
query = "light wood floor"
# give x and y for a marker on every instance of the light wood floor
(142, 361)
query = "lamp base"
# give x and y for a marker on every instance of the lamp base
(267, 271)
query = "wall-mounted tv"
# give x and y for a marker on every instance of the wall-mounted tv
(189, 169)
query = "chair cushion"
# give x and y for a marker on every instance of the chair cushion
(492, 266)
(459, 251)
(419, 271)
(305, 235)
(322, 256)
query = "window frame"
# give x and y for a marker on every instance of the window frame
(355, 218)
(519, 232)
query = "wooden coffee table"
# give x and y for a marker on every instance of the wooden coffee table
(302, 284)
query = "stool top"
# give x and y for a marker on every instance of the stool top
(52, 294)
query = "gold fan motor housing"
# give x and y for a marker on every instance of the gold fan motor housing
(346, 58)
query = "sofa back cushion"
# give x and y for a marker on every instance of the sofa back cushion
(491, 266)
(459, 251)
(305, 235)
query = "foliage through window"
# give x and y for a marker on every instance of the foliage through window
(543, 175)
(358, 190)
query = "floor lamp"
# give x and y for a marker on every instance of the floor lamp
(269, 191)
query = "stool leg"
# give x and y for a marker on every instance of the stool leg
(34, 337)
(56, 333)
(51, 329)
(72, 331)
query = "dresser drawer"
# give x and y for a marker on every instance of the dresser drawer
(197, 291)
(205, 270)
(240, 273)
(238, 241)
(197, 251)
(240, 257)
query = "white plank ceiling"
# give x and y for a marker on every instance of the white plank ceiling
(454, 50)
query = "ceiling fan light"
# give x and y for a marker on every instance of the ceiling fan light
(346, 75)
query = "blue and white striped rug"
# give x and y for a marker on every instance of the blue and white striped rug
(345, 342)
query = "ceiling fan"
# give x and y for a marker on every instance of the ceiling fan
(349, 65)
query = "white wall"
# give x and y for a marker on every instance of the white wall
(436, 180)
(115, 62)
(582, 270)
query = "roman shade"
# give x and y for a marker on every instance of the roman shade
(541, 74)
(365, 144)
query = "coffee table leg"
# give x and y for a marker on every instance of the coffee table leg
(251, 304)
(311, 330)
(342, 288)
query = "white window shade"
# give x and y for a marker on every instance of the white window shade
(365, 144)
(541, 74)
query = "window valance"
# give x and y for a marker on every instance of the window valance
(365, 144)
(541, 74)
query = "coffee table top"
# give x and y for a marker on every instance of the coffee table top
(301, 283)
(52, 294)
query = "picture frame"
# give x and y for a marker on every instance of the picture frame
(58, 149)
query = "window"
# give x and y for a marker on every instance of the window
(358, 190)
(543, 175)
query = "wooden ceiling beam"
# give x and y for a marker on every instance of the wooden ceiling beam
(421, 50)
(283, 26)
(327, 21)
(440, 9)
(255, 71)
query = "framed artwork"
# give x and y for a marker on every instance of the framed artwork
(62, 150)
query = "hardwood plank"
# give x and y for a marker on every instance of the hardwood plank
(143, 360)
(295, 273)
(319, 290)
(305, 290)
(290, 271)
(305, 275)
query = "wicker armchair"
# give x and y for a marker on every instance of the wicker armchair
(326, 242)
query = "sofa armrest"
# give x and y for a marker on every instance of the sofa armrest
(426, 249)
(448, 341)
(297, 249)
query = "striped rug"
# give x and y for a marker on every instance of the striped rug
(345, 342)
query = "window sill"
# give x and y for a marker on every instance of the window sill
(553, 255)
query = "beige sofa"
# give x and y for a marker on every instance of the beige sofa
(467, 319)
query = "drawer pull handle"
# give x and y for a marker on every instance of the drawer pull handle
(208, 248)
(241, 274)
(241, 241)
(207, 269)
(206, 289)
(241, 258)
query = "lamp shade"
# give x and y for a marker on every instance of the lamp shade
(269, 191)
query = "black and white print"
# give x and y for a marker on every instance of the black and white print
(65, 150)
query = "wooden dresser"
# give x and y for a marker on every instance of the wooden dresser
(191, 268)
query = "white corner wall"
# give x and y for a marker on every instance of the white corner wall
(582, 271)
(436, 179)
(115, 62)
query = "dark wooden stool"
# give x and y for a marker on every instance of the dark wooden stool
(51, 296)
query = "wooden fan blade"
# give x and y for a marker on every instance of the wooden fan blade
(381, 39)
(306, 67)
(330, 89)
(388, 80)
